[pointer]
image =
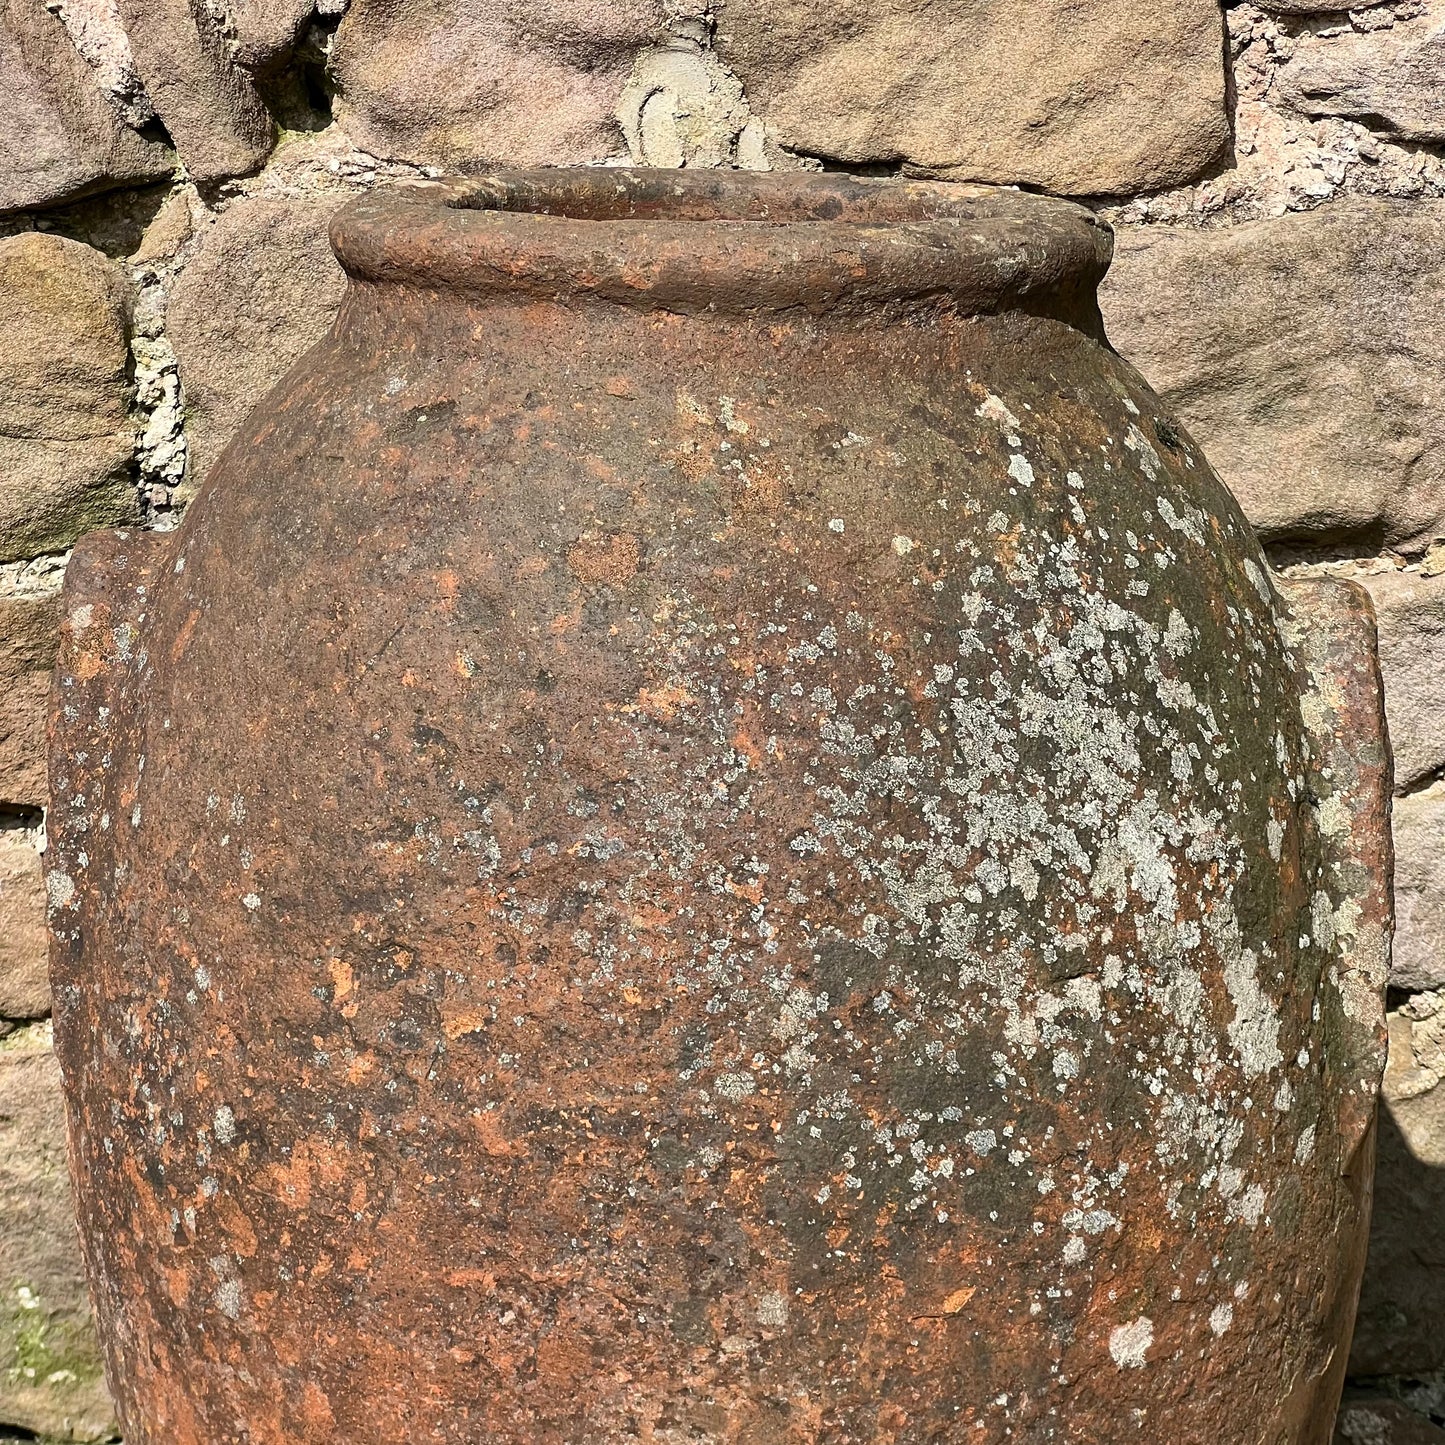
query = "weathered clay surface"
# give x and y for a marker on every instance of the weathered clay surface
(59, 134)
(210, 108)
(262, 288)
(1303, 353)
(50, 1368)
(1403, 1298)
(28, 634)
(1378, 1420)
(765, 855)
(1411, 612)
(65, 435)
(1392, 80)
(1419, 827)
(461, 83)
(24, 984)
(1132, 100)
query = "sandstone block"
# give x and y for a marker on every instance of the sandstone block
(29, 633)
(1411, 613)
(53, 492)
(66, 442)
(267, 29)
(1101, 99)
(1402, 1302)
(210, 107)
(263, 287)
(97, 33)
(50, 1368)
(1304, 354)
(1419, 829)
(60, 136)
(1392, 80)
(62, 370)
(24, 984)
(1378, 1420)
(1135, 99)
(462, 83)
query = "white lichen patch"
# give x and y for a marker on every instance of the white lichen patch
(1254, 1030)
(223, 1125)
(1129, 1344)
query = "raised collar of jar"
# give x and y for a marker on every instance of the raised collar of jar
(730, 241)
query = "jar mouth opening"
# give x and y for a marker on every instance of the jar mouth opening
(730, 241)
(604, 194)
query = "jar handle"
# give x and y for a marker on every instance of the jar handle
(1331, 627)
(108, 588)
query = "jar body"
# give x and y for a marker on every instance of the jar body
(699, 877)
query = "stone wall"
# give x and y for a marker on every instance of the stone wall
(1276, 172)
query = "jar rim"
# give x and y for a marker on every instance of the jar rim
(732, 241)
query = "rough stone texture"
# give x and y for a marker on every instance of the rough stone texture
(1105, 98)
(62, 368)
(1419, 828)
(1402, 1303)
(1135, 100)
(261, 289)
(98, 33)
(463, 83)
(1411, 612)
(59, 135)
(1379, 1420)
(1284, 161)
(50, 1370)
(1391, 80)
(209, 106)
(267, 29)
(28, 633)
(24, 982)
(1304, 354)
(66, 440)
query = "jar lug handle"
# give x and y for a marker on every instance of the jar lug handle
(1330, 624)
(109, 586)
(1331, 627)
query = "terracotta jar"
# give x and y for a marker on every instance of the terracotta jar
(711, 831)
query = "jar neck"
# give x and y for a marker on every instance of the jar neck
(731, 244)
